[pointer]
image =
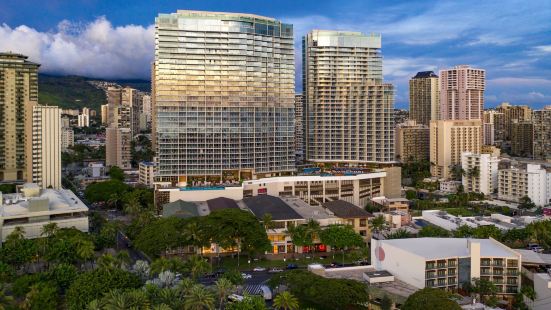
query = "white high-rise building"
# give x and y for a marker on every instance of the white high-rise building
(83, 120)
(481, 172)
(462, 93)
(46, 146)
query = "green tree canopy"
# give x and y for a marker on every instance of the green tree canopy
(430, 299)
(433, 231)
(116, 173)
(111, 190)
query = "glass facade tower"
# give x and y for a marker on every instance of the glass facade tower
(349, 110)
(224, 95)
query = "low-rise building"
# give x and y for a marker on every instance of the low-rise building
(352, 215)
(391, 204)
(480, 173)
(447, 263)
(451, 222)
(449, 186)
(147, 173)
(533, 181)
(95, 169)
(32, 208)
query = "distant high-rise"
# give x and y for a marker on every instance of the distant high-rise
(462, 93)
(522, 139)
(412, 142)
(118, 147)
(448, 140)
(506, 115)
(542, 133)
(424, 98)
(124, 108)
(18, 94)
(349, 110)
(488, 126)
(45, 161)
(223, 86)
(67, 138)
(105, 114)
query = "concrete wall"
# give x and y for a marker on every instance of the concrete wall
(33, 230)
(235, 193)
(404, 265)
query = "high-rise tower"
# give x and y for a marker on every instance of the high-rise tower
(462, 93)
(223, 96)
(424, 98)
(349, 110)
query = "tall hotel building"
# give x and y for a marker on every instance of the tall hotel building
(299, 127)
(462, 93)
(424, 98)
(349, 110)
(224, 96)
(18, 94)
(45, 161)
(542, 133)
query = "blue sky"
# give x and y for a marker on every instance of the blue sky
(511, 39)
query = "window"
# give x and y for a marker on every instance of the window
(363, 222)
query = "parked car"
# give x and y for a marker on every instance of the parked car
(335, 265)
(246, 275)
(235, 297)
(259, 269)
(292, 266)
(266, 292)
(275, 270)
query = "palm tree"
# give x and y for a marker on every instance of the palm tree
(171, 298)
(138, 298)
(18, 233)
(96, 304)
(116, 300)
(185, 286)
(195, 235)
(398, 234)
(377, 224)
(49, 230)
(32, 294)
(122, 259)
(267, 221)
(313, 229)
(286, 301)
(163, 307)
(5, 300)
(107, 261)
(223, 288)
(197, 266)
(160, 264)
(199, 298)
(85, 249)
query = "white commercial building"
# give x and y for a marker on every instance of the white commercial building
(451, 222)
(45, 165)
(32, 208)
(448, 262)
(147, 173)
(534, 181)
(480, 172)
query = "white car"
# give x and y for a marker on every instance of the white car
(235, 297)
(275, 270)
(246, 276)
(259, 269)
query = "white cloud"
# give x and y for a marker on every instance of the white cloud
(96, 49)
(535, 95)
(519, 82)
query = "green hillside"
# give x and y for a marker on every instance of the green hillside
(74, 92)
(69, 92)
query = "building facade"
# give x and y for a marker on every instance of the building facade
(299, 127)
(448, 140)
(105, 114)
(118, 147)
(542, 133)
(67, 138)
(349, 110)
(45, 164)
(412, 142)
(147, 173)
(448, 263)
(481, 174)
(18, 94)
(424, 98)
(522, 139)
(462, 93)
(506, 115)
(533, 181)
(223, 96)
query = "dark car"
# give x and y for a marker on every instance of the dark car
(292, 266)
(336, 264)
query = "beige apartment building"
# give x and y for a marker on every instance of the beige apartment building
(462, 93)
(45, 164)
(67, 138)
(105, 114)
(147, 173)
(117, 147)
(124, 108)
(18, 93)
(424, 98)
(523, 180)
(448, 140)
(412, 142)
(505, 115)
(542, 133)
(349, 109)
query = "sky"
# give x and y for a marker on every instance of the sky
(510, 39)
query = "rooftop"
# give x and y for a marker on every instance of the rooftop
(181, 209)
(436, 248)
(344, 209)
(307, 211)
(425, 74)
(221, 203)
(275, 206)
(49, 201)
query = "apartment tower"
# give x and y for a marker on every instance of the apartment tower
(542, 133)
(448, 140)
(299, 127)
(223, 96)
(506, 115)
(424, 98)
(349, 110)
(462, 93)
(18, 93)
(45, 162)
(412, 142)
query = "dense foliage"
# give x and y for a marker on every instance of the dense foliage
(323, 293)
(430, 299)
